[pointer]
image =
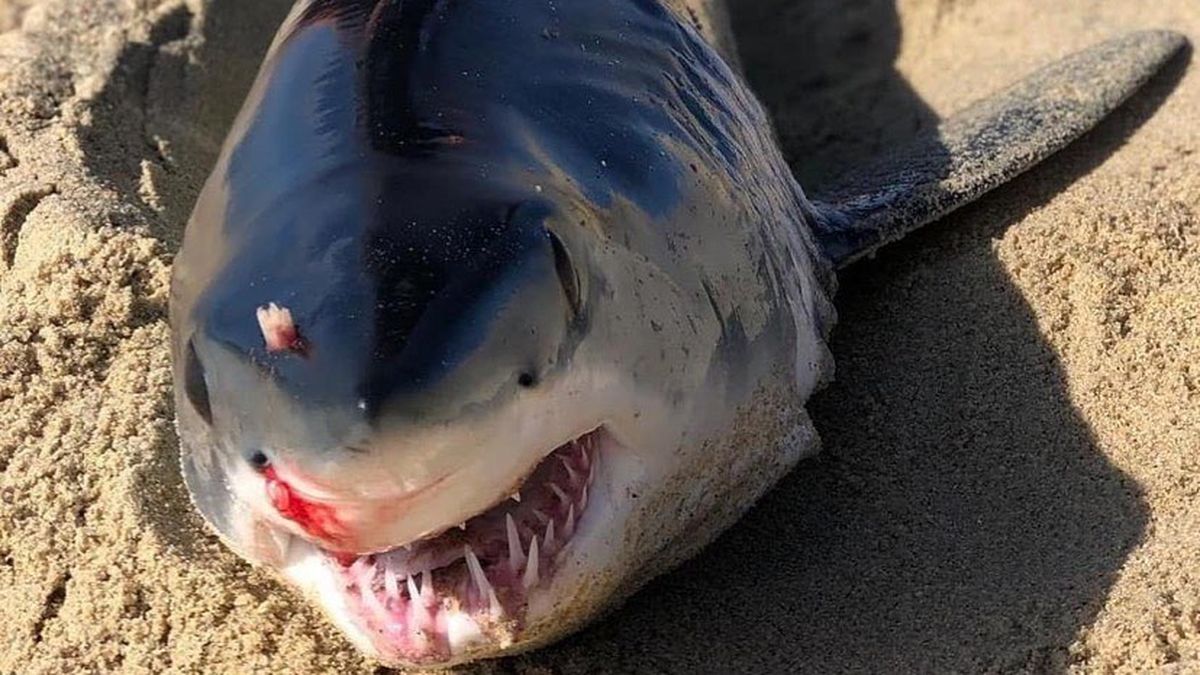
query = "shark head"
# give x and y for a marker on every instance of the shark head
(471, 337)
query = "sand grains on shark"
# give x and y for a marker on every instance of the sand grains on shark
(491, 312)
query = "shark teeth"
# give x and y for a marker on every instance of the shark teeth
(572, 474)
(427, 593)
(559, 492)
(549, 535)
(516, 557)
(481, 582)
(531, 577)
(412, 590)
(391, 584)
(471, 583)
(283, 542)
(569, 527)
(422, 620)
(371, 600)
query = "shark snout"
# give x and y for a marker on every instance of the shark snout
(350, 523)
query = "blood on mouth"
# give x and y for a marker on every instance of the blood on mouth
(318, 520)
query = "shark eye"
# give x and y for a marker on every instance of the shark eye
(567, 274)
(194, 385)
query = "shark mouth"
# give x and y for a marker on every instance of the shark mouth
(435, 599)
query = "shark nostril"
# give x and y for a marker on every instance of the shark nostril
(258, 460)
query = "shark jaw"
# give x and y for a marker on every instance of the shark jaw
(467, 592)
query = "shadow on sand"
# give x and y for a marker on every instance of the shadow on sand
(156, 131)
(960, 517)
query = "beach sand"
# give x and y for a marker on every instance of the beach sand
(1010, 482)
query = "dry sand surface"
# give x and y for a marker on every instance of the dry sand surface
(1011, 479)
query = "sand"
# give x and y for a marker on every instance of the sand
(1011, 480)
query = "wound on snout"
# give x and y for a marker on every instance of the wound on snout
(279, 330)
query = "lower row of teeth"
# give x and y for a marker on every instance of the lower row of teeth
(435, 622)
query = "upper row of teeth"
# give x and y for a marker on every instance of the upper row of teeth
(558, 491)
(518, 558)
(527, 564)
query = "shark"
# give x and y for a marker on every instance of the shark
(491, 312)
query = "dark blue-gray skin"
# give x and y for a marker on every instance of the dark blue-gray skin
(492, 311)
